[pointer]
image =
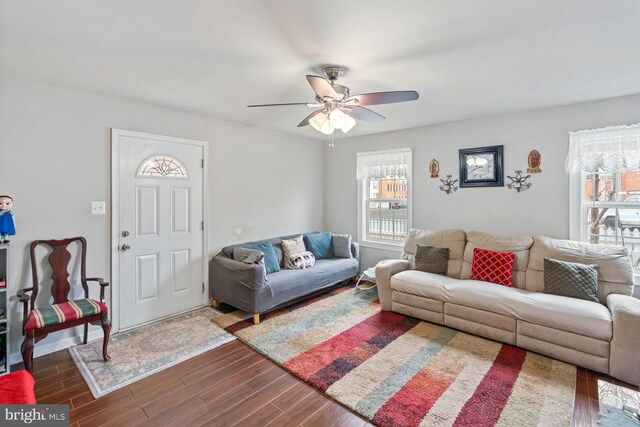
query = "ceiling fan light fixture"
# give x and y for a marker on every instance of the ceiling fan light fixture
(318, 120)
(326, 128)
(337, 118)
(349, 123)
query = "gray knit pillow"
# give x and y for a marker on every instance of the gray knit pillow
(431, 259)
(571, 279)
(341, 245)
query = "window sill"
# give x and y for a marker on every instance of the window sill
(394, 247)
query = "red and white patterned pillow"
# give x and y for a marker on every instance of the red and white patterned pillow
(494, 267)
(301, 260)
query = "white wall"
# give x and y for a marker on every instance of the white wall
(55, 160)
(543, 209)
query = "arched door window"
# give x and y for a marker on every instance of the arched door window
(162, 165)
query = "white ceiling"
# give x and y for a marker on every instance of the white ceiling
(466, 58)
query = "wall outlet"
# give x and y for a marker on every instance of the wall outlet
(98, 208)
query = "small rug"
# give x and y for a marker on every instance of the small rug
(395, 370)
(143, 351)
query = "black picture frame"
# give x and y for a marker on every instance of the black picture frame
(489, 174)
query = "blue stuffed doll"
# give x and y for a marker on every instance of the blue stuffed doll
(7, 225)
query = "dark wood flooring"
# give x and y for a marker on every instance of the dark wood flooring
(230, 385)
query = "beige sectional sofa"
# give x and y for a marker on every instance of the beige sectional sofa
(602, 336)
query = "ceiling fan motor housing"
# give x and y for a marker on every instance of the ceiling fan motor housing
(332, 72)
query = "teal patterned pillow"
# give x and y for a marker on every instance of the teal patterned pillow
(570, 279)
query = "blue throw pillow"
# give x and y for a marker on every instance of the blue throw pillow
(270, 260)
(320, 245)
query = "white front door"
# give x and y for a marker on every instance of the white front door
(159, 226)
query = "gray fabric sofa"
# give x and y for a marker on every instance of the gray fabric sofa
(247, 287)
(603, 336)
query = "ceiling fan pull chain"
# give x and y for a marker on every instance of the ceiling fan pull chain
(331, 144)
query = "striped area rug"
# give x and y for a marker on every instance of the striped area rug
(395, 370)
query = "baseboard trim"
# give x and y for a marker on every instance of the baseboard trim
(44, 349)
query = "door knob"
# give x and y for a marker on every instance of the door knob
(126, 247)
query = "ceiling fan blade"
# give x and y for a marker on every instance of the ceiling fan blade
(377, 98)
(278, 105)
(305, 122)
(365, 114)
(322, 87)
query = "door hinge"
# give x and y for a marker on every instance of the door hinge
(201, 225)
(203, 287)
(202, 164)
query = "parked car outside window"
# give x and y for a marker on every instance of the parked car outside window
(629, 218)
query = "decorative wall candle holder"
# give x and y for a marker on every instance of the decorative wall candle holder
(448, 185)
(519, 182)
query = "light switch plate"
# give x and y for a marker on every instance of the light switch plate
(98, 208)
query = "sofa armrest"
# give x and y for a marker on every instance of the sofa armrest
(384, 270)
(625, 343)
(355, 250)
(228, 273)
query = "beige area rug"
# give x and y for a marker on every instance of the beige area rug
(395, 370)
(143, 351)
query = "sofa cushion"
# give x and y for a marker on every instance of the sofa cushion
(519, 245)
(341, 245)
(492, 267)
(270, 260)
(320, 244)
(291, 247)
(431, 259)
(571, 279)
(288, 285)
(614, 269)
(563, 313)
(454, 240)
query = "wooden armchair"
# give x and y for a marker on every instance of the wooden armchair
(38, 322)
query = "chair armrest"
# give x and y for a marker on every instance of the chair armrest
(22, 295)
(100, 281)
(384, 270)
(355, 250)
(102, 284)
(24, 299)
(623, 357)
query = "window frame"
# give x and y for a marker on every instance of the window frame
(363, 200)
(579, 206)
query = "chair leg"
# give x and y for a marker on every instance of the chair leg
(256, 319)
(27, 353)
(86, 333)
(106, 328)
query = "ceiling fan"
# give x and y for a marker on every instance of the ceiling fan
(338, 109)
